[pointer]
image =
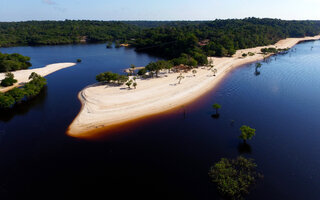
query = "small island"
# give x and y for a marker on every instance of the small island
(107, 105)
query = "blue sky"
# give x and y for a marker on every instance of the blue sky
(21, 10)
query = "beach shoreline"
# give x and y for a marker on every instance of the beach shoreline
(22, 76)
(104, 107)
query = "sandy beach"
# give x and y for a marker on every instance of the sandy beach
(104, 106)
(23, 75)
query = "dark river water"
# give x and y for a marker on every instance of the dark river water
(166, 156)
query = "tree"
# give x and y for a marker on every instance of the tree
(153, 67)
(34, 75)
(8, 80)
(180, 77)
(258, 65)
(217, 107)
(129, 83)
(142, 72)
(6, 101)
(194, 72)
(110, 77)
(135, 85)
(214, 72)
(13, 62)
(109, 45)
(247, 133)
(257, 72)
(17, 93)
(234, 177)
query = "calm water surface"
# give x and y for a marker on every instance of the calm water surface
(167, 156)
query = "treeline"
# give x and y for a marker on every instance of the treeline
(63, 32)
(220, 37)
(12, 62)
(176, 39)
(17, 95)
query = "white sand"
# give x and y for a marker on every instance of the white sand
(23, 75)
(103, 106)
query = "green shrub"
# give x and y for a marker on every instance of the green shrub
(142, 72)
(12, 62)
(6, 101)
(234, 177)
(110, 77)
(9, 80)
(17, 93)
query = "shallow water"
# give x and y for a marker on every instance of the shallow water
(166, 156)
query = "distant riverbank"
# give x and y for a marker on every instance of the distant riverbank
(22, 76)
(104, 106)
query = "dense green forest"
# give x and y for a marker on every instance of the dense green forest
(168, 39)
(12, 62)
(220, 37)
(63, 32)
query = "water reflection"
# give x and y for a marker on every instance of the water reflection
(244, 148)
(23, 107)
(215, 116)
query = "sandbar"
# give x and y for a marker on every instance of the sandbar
(104, 106)
(22, 76)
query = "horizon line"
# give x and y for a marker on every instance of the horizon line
(151, 20)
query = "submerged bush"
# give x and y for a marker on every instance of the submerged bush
(234, 177)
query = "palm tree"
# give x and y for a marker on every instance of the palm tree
(214, 72)
(217, 107)
(194, 72)
(180, 77)
(247, 133)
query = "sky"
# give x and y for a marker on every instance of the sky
(23, 10)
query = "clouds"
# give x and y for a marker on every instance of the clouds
(49, 2)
